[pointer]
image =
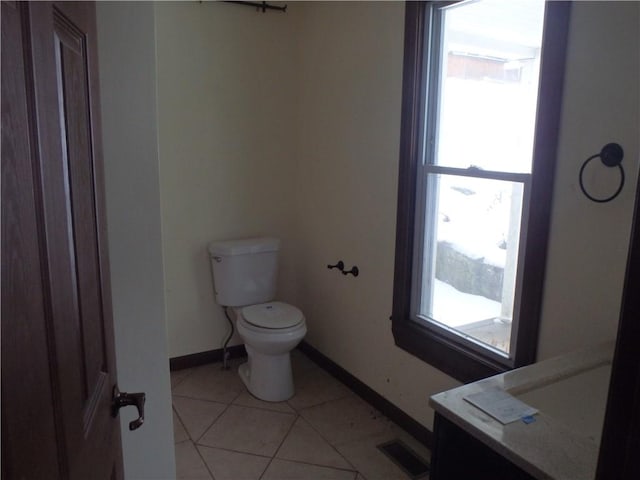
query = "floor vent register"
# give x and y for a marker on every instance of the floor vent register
(405, 458)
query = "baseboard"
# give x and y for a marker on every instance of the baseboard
(202, 358)
(417, 430)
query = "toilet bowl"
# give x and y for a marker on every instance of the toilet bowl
(269, 331)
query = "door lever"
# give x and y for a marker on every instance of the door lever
(124, 399)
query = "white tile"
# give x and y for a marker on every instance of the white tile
(315, 386)
(286, 470)
(189, 465)
(304, 444)
(228, 465)
(197, 415)
(346, 419)
(210, 382)
(247, 400)
(178, 376)
(179, 432)
(249, 430)
(334, 436)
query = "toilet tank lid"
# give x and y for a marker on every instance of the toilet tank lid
(244, 246)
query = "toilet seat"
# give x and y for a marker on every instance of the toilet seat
(272, 315)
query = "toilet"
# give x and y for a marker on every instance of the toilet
(244, 278)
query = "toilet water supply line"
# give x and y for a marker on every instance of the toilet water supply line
(225, 354)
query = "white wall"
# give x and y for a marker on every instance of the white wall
(589, 241)
(348, 161)
(227, 93)
(351, 81)
(128, 92)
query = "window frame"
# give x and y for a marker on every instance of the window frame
(440, 349)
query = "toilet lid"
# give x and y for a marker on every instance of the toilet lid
(272, 315)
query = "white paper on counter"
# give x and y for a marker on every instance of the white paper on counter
(500, 405)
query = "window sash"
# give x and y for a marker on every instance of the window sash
(475, 173)
(433, 42)
(420, 247)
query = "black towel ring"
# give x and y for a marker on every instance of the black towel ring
(611, 155)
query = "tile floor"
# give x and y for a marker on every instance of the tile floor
(323, 432)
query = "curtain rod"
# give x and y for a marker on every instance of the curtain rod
(264, 6)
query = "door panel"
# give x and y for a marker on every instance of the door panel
(71, 74)
(25, 318)
(60, 43)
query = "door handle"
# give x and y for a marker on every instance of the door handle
(124, 399)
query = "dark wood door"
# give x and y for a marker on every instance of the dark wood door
(58, 366)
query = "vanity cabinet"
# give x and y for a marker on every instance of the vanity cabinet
(458, 455)
(562, 442)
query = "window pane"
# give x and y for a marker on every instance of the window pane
(471, 243)
(488, 85)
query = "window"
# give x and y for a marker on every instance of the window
(482, 90)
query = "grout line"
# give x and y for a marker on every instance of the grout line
(330, 444)
(237, 405)
(231, 450)
(196, 441)
(200, 399)
(331, 467)
(324, 402)
(280, 446)
(260, 407)
(175, 412)
(182, 379)
(181, 422)
(211, 425)
(265, 409)
(206, 465)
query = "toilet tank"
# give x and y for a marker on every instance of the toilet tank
(244, 271)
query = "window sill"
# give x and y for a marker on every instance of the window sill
(450, 357)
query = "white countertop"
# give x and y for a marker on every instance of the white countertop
(570, 393)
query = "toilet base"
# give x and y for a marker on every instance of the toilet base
(267, 377)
